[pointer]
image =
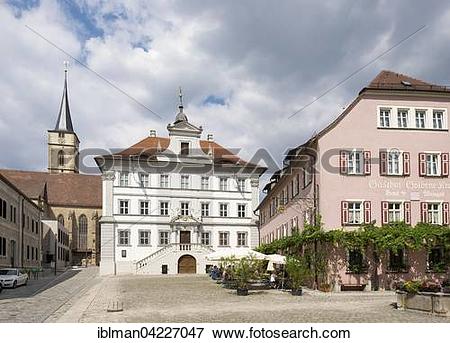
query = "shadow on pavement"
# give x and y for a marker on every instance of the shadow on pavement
(34, 287)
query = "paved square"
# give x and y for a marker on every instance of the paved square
(83, 296)
(199, 299)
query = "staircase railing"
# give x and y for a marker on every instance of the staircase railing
(174, 246)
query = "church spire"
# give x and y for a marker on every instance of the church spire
(64, 122)
(180, 115)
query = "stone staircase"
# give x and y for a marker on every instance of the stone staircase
(176, 249)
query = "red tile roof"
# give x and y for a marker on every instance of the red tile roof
(150, 146)
(395, 81)
(70, 190)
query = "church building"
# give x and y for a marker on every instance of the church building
(170, 201)
(63, 194)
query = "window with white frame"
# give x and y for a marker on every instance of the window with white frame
(184, 208)
(355, 213)
(144, 179)
(241, 185)
(123, 179)
(402, 118)
(355, 162)
(164, 181)
(242, 239)
(434, 213)
(385, 114)
(164, 208)
(224, 239)
(241, 210)
(164, 238)
(223, 210)
(438, 119)
(420, 119)
(184, 181)
(223, 183)
(433, 165)
(123, 206)
(144, 207)
(144, 237)
(395, 213)
(124, 237)
(205, 182)
(205, 238)
(205, 209)
(394, 162)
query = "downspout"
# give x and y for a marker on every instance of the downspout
(315, 211)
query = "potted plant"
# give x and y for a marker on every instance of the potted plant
(299, 272)
(243, 271)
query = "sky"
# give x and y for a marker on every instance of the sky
(244, 67)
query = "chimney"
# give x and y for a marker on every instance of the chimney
(152, 133)
(210, 137)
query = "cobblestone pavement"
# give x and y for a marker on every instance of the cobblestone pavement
(44, 299)
(198, 299)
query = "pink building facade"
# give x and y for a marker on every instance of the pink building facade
(384, 159)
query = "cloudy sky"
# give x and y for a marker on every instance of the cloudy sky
(245, 66)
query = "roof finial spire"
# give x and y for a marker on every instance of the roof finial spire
(66, 66)
(181, 117)
(180, 95)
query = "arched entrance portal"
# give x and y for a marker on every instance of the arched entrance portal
(187, 265)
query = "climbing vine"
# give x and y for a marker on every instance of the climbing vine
(388, 237)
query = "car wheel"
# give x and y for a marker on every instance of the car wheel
(14, 284)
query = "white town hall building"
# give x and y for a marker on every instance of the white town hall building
(170, 201)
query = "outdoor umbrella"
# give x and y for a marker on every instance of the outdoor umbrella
(236, 253)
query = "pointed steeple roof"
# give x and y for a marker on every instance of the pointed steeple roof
(64, 122)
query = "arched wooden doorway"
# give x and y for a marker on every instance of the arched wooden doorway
(187, 265)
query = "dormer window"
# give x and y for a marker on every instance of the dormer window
(184, 151)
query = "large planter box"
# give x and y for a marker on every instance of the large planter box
(435, 303)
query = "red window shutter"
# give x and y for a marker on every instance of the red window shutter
(367, 162)
(367, 212)
(343, 162)
(423, 212)
(383, 162)
(422, 164)
(406, 164)
(407, 212)
(344, 212)
(445, 213)
(444, 164)
(384, 212)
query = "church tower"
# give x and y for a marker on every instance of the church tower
(63, 143)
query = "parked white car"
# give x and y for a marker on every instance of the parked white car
(12, 277)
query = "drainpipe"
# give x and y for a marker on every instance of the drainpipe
(315, 211)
